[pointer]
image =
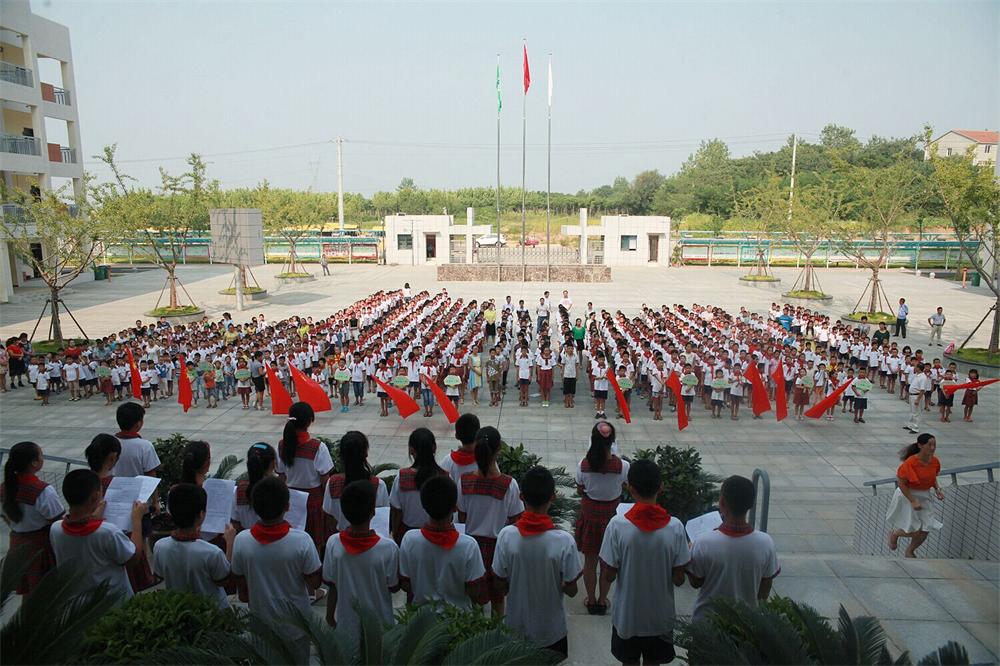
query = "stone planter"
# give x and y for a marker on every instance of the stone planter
(285, 281)
(247, 296)
(178, 319)
(985, 371)
(762, 284)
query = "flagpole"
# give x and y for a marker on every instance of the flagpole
(548, 188)
(524, 162)
(499, 105)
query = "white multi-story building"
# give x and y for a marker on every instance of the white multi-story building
(958, 141)
(39, 123)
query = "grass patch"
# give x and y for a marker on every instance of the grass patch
(246, 290)
(976, 355)
(802, 293)
(760, 278)
(49, 346)
(873, 317)
(180, 310)
(294, 275)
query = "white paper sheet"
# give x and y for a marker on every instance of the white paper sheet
(219, 510)
(122, 493)
(380, 523)
(702, 524)
(296, 516)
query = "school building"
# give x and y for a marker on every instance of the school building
(39, 123)
(418, 240)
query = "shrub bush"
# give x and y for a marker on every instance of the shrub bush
(157, 621)
(463, 623)
(688, 491)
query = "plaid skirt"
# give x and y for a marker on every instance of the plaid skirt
(590, 525)
(140, 574)
(487, 547)
(315, 518)
(38, 544)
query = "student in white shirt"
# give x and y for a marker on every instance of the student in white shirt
(278, 564)
(99, 549)
(304, 463)
(462, 460)
(138, 456)
(184, 559)
(537, 565)
(71, 373)
(359, 566)
(568, 361)
(354, 462)
(646, 551)
(733, 561)
(436, 563)
(406, 511)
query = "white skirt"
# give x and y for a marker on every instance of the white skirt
(902, 516)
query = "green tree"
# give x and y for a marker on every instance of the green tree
(644, 189)
(837, 137)
(814, 217)
(293, 216)
(766, 210)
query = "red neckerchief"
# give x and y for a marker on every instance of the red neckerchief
(28, 478)
(445, 537)
(127, 435)
(734, 530)
(648, 517)
(266, 534)
(303, 436)
(181, 535)
(81, 528)
(356, 545)
(533, 524)
(462, 457)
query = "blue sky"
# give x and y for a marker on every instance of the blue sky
(411, 85)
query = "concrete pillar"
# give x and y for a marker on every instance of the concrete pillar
(583, 236)
(470, 219)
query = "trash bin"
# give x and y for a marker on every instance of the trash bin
(974, 278)
(100, 272)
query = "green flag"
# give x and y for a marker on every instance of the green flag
(499, 98)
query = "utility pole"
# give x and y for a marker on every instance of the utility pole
(791, 189)
(340, 183)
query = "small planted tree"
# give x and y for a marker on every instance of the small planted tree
(813, 219)
(61, 223)
(294, 216)
(765, 209)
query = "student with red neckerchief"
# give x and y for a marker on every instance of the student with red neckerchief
(304, 463)
(536, 565)
(30, 506)
(359, 566)
(463, 459)
(733, 561)
(100, 550)
(646, 551)
(406, 511)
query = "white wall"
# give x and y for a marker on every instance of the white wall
(643, 228)
(419, 226)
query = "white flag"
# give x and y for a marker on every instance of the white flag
(550, 80)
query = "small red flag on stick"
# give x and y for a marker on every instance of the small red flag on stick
(758, 393)
(184, 396)
(620, 396)
(405, 404)
(829, 401)
(780, 399)
(444, 402)
(309, 391)
(134, 372)
(948, 390)
(674, 384)
(281, 402)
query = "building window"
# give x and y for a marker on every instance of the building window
(404, 242)
(986, 148)
(949, 152)
(629, 243)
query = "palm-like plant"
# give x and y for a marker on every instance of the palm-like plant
(48, 626)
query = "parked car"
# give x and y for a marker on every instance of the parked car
(491, 240)
(530, 242)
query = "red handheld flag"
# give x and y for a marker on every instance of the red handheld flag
(829, 401)
(948, 390)
(134, 372)
(405, 404)
(758, 392)
(620, 396)
(184, 386)
(281, 402)
(780, 399)
(309, 391)
(527, 73)
(674, 384)
(447, 406)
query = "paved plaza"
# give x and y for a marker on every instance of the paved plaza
(816, 467)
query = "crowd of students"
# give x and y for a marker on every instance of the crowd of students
(416, 340)
(462, 532)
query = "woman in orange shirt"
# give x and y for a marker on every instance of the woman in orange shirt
(911, 512)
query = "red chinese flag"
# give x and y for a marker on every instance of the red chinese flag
(405, 404)
(184, 386)
(620, 396)
(674, 384)
(758, 393)
(948, 390)
(527, 73)
(446, 405)
(134, 372)
(281, 402)
(780, 399)
(309, 391)
(829, 401)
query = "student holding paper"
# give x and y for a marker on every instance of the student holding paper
(733, 561)
(261, 462)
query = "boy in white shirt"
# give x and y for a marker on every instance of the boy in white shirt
(71, 374)
(733, 561)
(646, 551)
(185, 561)
(536, 564)
(138, 456)
(462, 460)
(360, 566)
(436, 563)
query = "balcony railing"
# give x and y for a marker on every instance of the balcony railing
(63, 154)
(21, 145)
(16, 74)
(14, 213)
(51, 93)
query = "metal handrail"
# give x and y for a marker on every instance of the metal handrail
(58, 459)
(16, 74)
(953, 473)
(762, 480)
(20, 145)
